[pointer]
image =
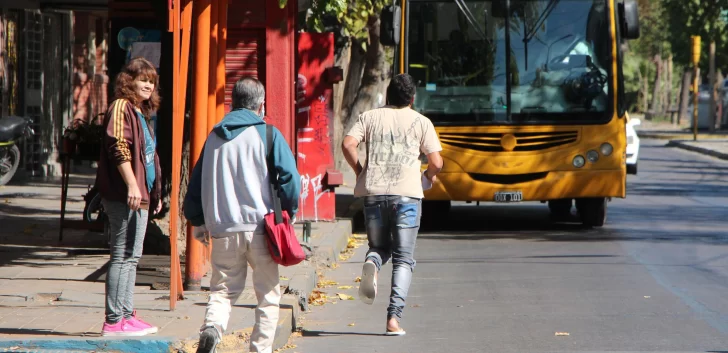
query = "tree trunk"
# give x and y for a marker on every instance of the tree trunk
(184, 181)
(343, 61)
(664, 83)
(669, 89)
(685, 95)
(712, 80)
(645, 83)
(721, 109)
(375, 72)
(357, 62)
(655, 108)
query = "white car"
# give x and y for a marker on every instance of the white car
(633, 145)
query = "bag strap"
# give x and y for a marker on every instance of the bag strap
(273, 175)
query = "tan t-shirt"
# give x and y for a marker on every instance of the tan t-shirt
(394, 139)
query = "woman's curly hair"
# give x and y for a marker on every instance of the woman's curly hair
(138, 68)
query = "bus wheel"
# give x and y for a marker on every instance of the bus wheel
(560, 209)
(593, 212)
(632, 169)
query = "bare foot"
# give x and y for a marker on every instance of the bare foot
(393, 328)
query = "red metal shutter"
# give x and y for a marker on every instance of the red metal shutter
(245, 56)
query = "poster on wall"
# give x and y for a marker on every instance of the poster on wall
(146, 43)
(141, 42)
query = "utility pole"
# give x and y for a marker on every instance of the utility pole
(696, 61)
(711, 113)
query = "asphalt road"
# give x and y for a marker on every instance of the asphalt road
(505, 279)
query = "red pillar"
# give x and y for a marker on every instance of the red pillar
(280, 67)
(195, 259)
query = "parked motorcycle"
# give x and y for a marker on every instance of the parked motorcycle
(12, 130)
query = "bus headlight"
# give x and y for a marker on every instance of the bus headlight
(579, 161)
(606, 149)
(592, 156)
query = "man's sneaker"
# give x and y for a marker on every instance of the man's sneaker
(121, 329)
(208, 340)
(368, 285)
(137, 322)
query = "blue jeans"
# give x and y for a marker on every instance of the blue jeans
(392, 223)
(127, 229)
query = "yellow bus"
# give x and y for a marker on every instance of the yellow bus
(527, 97)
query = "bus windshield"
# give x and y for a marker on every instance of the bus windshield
(560, 62)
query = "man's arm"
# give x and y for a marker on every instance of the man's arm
(288, 177)
(354, 137)
(434, 166)
(431, 147)
(192, 206)
(350, 146)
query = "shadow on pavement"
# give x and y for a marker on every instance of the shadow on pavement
(45, 332)
(532, 223)
(307, 333)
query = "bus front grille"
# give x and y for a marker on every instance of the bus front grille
(508, 179)
(525, 141)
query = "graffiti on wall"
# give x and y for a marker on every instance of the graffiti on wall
(314, 126)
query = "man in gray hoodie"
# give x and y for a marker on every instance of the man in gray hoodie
(228, 197)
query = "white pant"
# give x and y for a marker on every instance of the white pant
(231, 253)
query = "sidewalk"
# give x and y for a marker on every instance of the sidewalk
(709, 143)
(52, 292)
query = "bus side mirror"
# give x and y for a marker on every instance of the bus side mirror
(390, 25)
(629, 19)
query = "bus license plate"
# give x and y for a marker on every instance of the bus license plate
(508, 196)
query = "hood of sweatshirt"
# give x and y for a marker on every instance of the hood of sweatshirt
(236, 122)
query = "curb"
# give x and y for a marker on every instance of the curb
(139, 345)
(682, 136)
(701, 150)
(327, 251)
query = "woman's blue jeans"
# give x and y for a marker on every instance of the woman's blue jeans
(127, 230)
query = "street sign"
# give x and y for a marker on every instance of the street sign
(695, 41)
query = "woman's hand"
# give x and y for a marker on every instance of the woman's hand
(134, 197)
(159, 207)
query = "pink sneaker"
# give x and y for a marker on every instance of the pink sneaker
(139, 323)
(122, 328)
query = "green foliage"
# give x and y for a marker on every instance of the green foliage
(666, 27)
(697, 17)
(351, 16)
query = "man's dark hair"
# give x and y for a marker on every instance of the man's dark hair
(401, 90)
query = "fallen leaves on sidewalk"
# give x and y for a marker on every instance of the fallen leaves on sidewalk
(647, 297)
(283, 278)
(346, 254)
(357, 280)
(355, 242)
(343, 296)
(317, 298)
(324, 283)
(346, 287)
(352, 324)
(562, 334)
(286, 347)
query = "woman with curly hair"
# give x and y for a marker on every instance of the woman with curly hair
(128, 177)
